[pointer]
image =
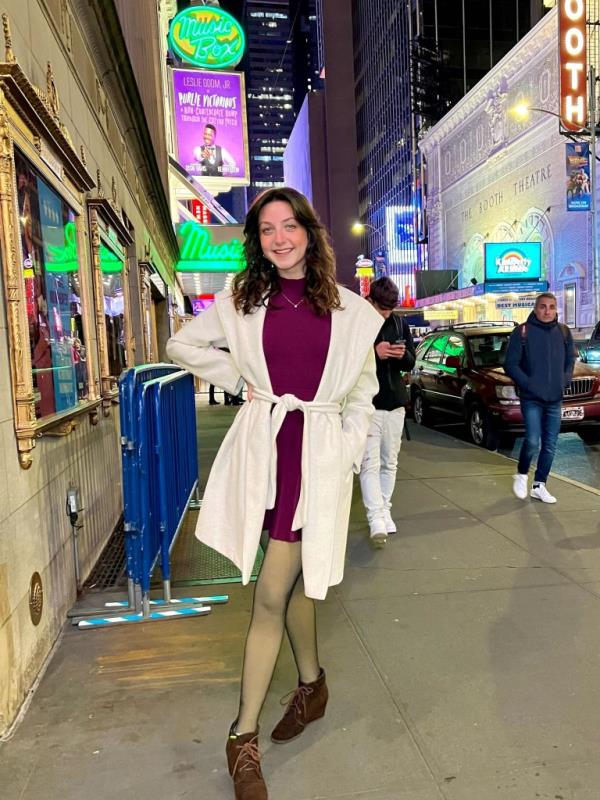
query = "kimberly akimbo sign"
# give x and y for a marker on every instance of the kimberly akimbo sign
(210, 124)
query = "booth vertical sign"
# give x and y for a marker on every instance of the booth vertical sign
(573, 53)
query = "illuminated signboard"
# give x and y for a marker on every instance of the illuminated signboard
(207, 36)
(573, 47)
(63, 257)
(201, 303)
(209, 112)
(513, 261)
(441, 313)
(110, 262)
(210, 248)
(400, 235)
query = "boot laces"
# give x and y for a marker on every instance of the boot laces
(248, 759)
(296, 699)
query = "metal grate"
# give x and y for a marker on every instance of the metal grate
(195, 564)
(110, 568)
(579, 386)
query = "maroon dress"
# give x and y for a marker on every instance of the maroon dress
(295, 343)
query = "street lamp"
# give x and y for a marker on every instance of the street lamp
(360, 228)
(521, 111)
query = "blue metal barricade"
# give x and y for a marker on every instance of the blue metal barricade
(174, 410)
(131, 385)
(160, 477)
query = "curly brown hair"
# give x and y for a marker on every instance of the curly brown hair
(260, 280)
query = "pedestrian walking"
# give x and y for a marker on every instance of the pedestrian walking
(304, 345)
(539, 358)
(394, 354)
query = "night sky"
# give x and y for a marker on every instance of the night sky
(233, 6)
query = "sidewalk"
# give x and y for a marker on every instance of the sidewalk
(462, 662)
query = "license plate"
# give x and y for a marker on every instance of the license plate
(573, 412)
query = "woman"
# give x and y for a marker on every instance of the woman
(304, 345)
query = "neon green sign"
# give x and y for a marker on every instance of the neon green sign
(208, 37)
(210, 248)
(110, 262)
(63, 258)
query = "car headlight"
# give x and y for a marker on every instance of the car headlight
(506, 393)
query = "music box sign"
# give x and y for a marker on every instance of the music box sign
(210, 248)
(207, 37)
(513, 261)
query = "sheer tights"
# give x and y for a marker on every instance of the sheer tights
(279, 602)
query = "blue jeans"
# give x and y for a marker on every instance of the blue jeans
(542, 422)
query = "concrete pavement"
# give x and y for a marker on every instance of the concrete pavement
(462, 662)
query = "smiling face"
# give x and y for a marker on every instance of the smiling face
(545, 309)
(283, 239)
(208, 136)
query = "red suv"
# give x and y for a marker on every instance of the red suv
(459, 371)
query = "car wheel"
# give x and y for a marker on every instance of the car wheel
(418, 408)
(481, 428)
(589, 435)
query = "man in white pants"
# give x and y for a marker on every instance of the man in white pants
(395, 354)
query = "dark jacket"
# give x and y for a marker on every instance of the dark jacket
(540, 359)
(393, 392)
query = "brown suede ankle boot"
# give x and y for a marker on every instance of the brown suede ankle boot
(243, 760)
(307, 704)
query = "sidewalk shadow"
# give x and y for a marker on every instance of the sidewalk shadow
(532, 648)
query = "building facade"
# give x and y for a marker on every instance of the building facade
(495, 179)
(407, 76)
(87, 253)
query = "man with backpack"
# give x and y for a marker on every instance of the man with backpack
(540, 359)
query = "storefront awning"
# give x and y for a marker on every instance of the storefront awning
(481, 290)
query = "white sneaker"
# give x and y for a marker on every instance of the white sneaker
(540, 492)
(520, 486)
(378, 539)
(390, 525)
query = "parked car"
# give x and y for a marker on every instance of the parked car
(459, 371)
(589, 352)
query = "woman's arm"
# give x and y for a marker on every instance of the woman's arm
(196, 348)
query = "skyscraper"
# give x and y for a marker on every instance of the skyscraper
(281, 65)
(269, 89)
(306, 63)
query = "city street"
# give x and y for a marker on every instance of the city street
(461, 659)
(574, 459)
